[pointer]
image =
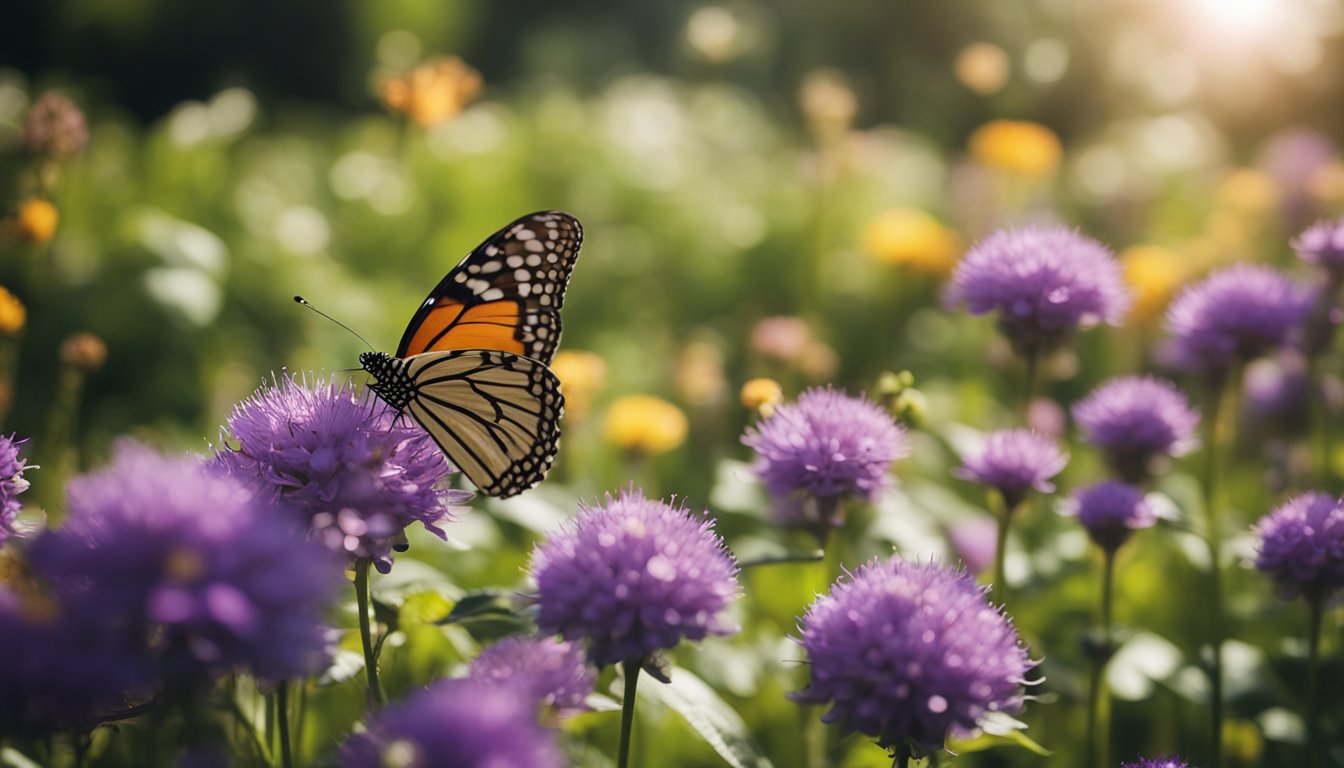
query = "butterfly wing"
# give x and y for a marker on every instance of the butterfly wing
(505, 295)
(496, 415)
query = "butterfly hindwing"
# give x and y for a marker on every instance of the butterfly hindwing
(506, 294)
(495, 414)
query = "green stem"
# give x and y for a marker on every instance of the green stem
(1032, 362)
(1098, 733)
(999, 587)
(375, 693)
(900, 757)
(815, 556)
(282, 723)
(631, 669)
(1320, 405)
(1314, 745)
(1213, 538)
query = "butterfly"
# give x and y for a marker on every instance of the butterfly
(471, 368)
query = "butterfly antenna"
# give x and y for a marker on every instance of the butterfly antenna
(304, 302)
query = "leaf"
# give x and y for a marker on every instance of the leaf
(711, 717)
(12, 757)
(345, 664)
(985, 740)
(487, 615)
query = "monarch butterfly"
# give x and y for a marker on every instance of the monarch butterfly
(472, 365)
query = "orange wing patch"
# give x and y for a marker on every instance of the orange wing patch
(451, 325)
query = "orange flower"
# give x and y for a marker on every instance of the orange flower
(12, 313)
(1019, 146)
(762, 395)
(433, 91)
(35, 221)
(644, 424)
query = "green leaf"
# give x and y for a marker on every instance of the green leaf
(487, 615)
(998, 730)
(711, 717)
(345, 664)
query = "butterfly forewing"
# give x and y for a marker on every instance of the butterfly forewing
(506, 294)
(495, 414)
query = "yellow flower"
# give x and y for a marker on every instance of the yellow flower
(1154, 272)
(36, 220)
(12, 313)
(699, 376)
(1248, 190)
(433, 91)
(645, 424)
(581, 375)
(1018, 146)
(762, 395)
(910, 236)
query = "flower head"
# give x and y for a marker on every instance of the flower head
(1157, 762)
(1045, 282)
(552, 672)
(1302, 546)
(12, 483)
(582, 375)
(632, 577)
(1237, 312)
(357, 473)
(911, 237)
(57, 670)
(433, 91)
(907, 653)
(761, 395)
(189, 563)
(84, 352)
(1018, 146)
(1014, 462)
(459, 723)
(1153, 273)
(34, 221)
(822, 449)
(1134, 420)
(54, 127)
(645, 425)
(1111, 511)
(1322, 244)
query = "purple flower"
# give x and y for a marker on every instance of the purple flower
(12, 483)
(552, 672)
(57, 670)
(1236, 313)
(973, 539)
(1013, 462)
(1302, 546)
(357, 473)
(55, 127)
(1277, 393)
(1045, 282)
(907, 653)
(822, 449)
(1111, 511)
(186, 564)
(457, 723)
(1322, 244)
(1157, 762)
(632, 577)
(1136, 420)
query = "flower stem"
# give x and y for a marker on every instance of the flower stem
(1098, 741)
(282, 723)
(900, 757)
(815, 556)
(1213, 538)
(1317, 607)
(631, 669)
(375, 693)
(1032, 362)
(999, 587)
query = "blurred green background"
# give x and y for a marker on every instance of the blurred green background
(731, 162)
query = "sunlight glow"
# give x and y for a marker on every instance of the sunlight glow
(1244, 16)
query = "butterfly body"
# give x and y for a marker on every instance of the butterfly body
(471, 366)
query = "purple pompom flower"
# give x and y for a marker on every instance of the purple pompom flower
(1014, 462)
(632, 577)
(58, 670)
(358, 474)
(1322, 244)
(1111, 511)
(12, 483)
(458, 723)
(552, 672)
(190, 565)
(826, 447)
(908, 653)
(1045, 282)
(1135, 421)
(1157, 762)
(1302, 547)
(1235, 314)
